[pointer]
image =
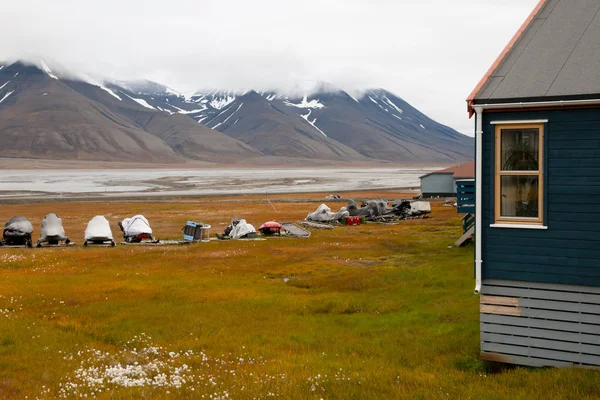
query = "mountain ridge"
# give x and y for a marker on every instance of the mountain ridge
(77, 117)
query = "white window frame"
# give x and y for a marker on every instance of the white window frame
(518, 222)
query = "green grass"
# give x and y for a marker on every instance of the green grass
(367, 312)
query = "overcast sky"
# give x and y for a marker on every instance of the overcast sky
(432, 53)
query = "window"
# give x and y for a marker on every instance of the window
(519, 177)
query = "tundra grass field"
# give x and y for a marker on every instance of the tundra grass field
(359, 312)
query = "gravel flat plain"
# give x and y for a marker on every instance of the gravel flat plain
(111, 183)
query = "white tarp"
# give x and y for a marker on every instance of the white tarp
(420, 207)
(241, 229)
(52, 226)
(324, 214)
(98, 228)
(18, 225)
(136, 225)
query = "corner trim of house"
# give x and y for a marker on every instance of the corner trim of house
(518, 226)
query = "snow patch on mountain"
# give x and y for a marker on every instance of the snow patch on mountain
(182, 111)
(220, 102)
(165, 110)
(373, 100)
(88, 79)
(47, 70)
(387, 100)
(353, 98)
(226, 119)
(109, 91)
(223, 112)
(141, 102)
(6, 95)
(146, 87)
(313, 104)
(173, 92)
(312, 122)
(5, 84)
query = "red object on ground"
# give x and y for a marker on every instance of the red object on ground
(271, 227)
(353, 220)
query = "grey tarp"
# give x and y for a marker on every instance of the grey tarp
(17, 232)
(324, 214)
(372, 209)
(18, 226)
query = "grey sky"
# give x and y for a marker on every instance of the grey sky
(429, 52)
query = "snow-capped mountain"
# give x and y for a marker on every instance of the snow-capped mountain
(329, 122)
(147, 87)
(48, 112)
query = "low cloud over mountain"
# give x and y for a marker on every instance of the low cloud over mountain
(47, 113)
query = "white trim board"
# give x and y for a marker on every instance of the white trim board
(515, 122)
(518, 226)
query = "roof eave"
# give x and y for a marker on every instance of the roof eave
(501, 57)
(536, 99)
(436, 173)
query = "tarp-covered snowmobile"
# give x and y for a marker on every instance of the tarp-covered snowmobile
(242, 229)
(52, 232)
(98, 232)
(324, 214)
(420, 207)
(17, 232)
(238, 229)
(136, 230)
(270, 228)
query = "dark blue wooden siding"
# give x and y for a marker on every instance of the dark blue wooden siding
(568, 251)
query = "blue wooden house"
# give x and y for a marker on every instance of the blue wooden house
(537, 252)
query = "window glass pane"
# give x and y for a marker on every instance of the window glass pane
(519, 196)
(519, 149)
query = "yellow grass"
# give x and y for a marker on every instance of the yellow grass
(364, 312)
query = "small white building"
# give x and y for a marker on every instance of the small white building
(443, 182)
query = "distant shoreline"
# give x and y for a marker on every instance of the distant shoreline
(312, 197)
(261, 163)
